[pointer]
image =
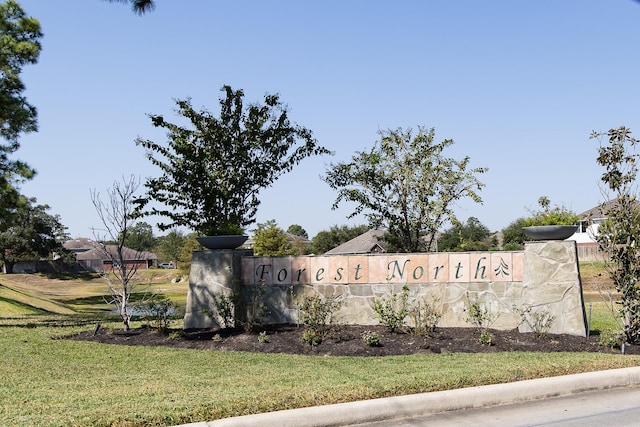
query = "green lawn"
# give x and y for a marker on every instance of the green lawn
(55, 382)
(47, 381)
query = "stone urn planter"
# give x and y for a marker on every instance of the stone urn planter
(230, 241)
(550, 232)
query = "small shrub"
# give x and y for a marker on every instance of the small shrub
(486, 338)
(216, 338)
(316, 314)
(222, 309)
(479, 315)
(263, 337)
(253, 311)
(425, 317)
(558, 215)
(371, 339)
(540, 322)
(158, 312)
(225, 306)
(175, 335)
(611, 338)
(311, 337)
(392, 311)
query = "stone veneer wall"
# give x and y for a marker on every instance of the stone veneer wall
(543, 278)
(215, 272)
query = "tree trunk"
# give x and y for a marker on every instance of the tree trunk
(126, 324)
(126, 319)
(8, 267)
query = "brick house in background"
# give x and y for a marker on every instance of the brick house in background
(90, 256)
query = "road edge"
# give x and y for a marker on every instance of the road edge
(415, 405)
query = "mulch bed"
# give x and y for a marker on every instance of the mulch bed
(346, 340)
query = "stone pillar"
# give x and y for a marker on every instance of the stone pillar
(552, 284)
(213, 272)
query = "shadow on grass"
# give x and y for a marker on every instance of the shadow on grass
(85, 276)
(29, 308)
(106, 299)
(55, 321)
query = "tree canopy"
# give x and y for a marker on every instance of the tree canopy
(170, 246)
(213, 170)
(140, 7)
(335, 236)
(471, 235)
(297, 230)
(271, 240)
(406, 185)
(30, 233)
(512, 235)
(19, 46)
(140, 237)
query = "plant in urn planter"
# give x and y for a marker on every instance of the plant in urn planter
(214, 169)
(557, 223)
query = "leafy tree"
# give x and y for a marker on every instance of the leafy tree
(140, 7)
(619, 234)
(170, 246)
(406, 185)
(10, 202)
(213, 171)
(512, 236)
(140, 237)
(297, 230)
(271, 240)
(19, 46)
(469, 236)
(299, 247)
(328, 239)
(31, 233)
(189, 245)
(117, 213)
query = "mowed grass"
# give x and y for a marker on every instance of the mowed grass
(48, 381)
(85, 293)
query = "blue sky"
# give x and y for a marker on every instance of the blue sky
(518, 85)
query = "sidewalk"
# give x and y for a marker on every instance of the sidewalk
(389, 408)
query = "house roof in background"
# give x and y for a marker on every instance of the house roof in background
(366, 243)
(596, 211)
(79, 244)
(290, 237)
(87, 249)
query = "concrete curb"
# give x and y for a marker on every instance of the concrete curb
(414, 405)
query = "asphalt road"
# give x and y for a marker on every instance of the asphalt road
(616, 407)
